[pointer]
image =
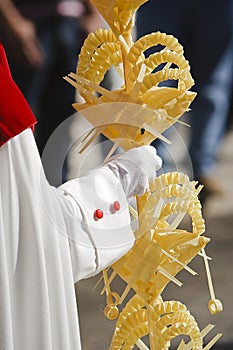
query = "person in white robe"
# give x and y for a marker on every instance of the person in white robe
(50, 238)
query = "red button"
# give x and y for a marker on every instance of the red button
(116, 205)
(98, 214)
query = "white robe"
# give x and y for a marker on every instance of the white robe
(49, 239)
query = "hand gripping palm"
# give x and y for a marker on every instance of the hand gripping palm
(132, 116)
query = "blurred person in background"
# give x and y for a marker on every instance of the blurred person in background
(205, 29)
(42, 39)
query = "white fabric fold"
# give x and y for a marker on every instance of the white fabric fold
(48, 241)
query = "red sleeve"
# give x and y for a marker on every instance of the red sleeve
(15, 113)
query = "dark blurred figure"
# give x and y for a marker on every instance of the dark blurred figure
(205, 29)
(43, 39)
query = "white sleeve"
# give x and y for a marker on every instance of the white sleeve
(97, 243)
(68, 210)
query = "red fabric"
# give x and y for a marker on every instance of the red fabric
(15, 113)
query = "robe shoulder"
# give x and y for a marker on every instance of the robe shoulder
(15, 113)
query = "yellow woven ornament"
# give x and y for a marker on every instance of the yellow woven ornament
(137, 113)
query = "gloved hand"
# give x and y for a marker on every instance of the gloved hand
(15, 113)
(135, 169)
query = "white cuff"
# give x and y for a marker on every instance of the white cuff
(110, 236)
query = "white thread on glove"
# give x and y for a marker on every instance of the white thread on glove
(135, 169)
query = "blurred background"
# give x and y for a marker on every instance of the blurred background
(43, 39)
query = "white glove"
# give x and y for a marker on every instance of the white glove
(135, 169)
